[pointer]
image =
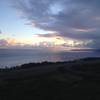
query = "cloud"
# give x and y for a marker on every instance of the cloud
(48, 35)
(10, 43)
(0, 32)
(3, 43)
(76, 19)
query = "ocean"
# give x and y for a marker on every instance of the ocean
(15, 57)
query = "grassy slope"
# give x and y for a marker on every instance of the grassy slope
(78, 80)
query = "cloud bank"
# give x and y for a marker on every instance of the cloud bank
(75, 19)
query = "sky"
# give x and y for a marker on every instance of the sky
(55, 24)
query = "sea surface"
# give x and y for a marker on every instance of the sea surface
(15, 57)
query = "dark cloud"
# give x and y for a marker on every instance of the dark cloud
(77, 19)
(48, 35)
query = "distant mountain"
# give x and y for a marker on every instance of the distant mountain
(90, 49)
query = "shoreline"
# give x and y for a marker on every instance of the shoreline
(55, 62)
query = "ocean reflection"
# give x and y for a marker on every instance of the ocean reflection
(18, 57)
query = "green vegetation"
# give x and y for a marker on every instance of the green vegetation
(79, 80)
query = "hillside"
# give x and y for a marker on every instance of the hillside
(79, 79)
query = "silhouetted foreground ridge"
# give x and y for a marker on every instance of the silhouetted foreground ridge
(74, 80)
